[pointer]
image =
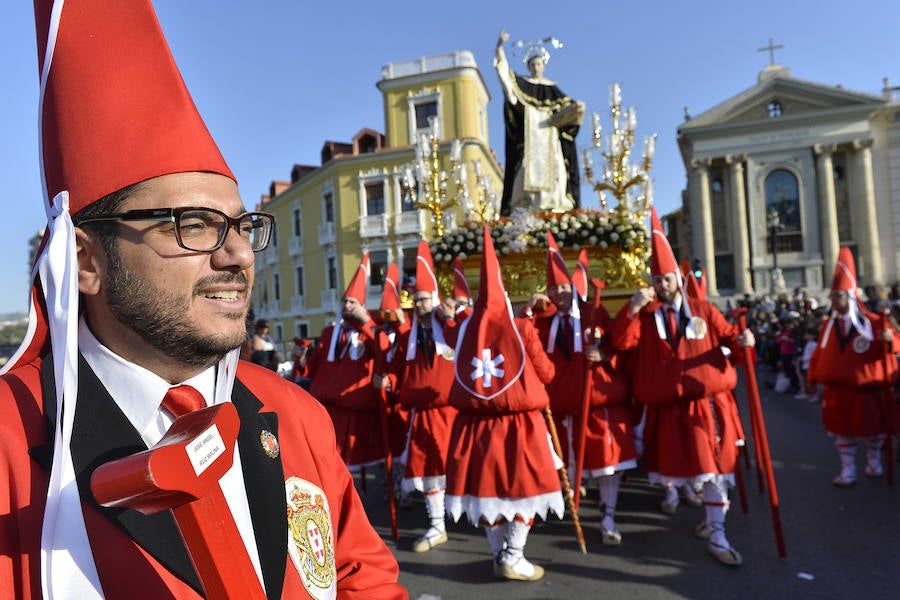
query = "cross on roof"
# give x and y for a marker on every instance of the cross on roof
(771, 48)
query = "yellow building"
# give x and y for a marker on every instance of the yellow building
(353, 202)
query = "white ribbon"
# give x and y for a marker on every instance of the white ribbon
(67, 565)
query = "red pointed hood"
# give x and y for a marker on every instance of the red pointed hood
(426, 280)
(557, 271)
(390, 300)
(490, 354)
(663, 259)
(115, 110)
(357, 287)
(845, 273)
(581, 277)
(460, 283)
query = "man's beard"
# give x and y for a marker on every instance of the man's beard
(160, 317)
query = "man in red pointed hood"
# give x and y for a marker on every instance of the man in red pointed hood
(560, 323)
(501, 472)
(142, 284)
(424, 371)
(682, 376)
(850, 360)
(345, 370)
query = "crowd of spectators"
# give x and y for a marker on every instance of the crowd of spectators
(787, 326)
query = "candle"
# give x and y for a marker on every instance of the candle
(615, 94)
(650, 147)
(455, 150)
(586, 158)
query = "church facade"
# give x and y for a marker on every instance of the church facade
(782, 175)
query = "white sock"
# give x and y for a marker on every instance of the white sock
(715, 501)
(671, 495)
(496, 535)
(434, 504)
(874, 446)
(609, 492)
(516, 537)
(846, 446)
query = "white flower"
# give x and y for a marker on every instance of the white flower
(603, 244)
(592, 240)
(614, 236)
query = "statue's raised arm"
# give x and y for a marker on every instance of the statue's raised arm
(541, 125)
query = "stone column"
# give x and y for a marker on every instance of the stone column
(743, 283)
(869, 244)
(827, 208)
(701, 223)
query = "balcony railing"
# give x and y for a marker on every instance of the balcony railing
(409, 221)
(329, 300)
(326, 233)
(298, 305)
(295, 246)
(373, 226)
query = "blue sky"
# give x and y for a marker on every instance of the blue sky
(275, 79)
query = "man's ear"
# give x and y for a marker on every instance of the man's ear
(91, 262)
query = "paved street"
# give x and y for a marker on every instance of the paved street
(841, 543)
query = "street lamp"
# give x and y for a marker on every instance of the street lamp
(773, 220)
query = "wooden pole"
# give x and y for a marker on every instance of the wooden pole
(588, 324)
(763, 443)
(564, 477)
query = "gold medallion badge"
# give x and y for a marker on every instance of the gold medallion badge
(269, 443)
(312, 543)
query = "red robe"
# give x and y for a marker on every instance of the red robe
(138, 555)
(424, 390)
(856, 402)
(609, 441)
(692, 425)
(500, 463)
(344, 386)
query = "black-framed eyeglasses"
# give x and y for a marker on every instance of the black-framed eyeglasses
(201, 229)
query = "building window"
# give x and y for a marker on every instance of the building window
(774, 108)
(717, 186)
(279, 332)
(375, 198)
(423, 111)
(328, 202)
(276, 286)
(273, 241)
(301, 330)
(331, 273)
(297, 222)
(783, 199)
(298, 280)
(378, 263)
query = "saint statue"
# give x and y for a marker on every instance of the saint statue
(541, 124)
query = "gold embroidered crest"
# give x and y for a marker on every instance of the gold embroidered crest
(312, 544)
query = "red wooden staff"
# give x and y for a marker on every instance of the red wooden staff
(384, 422)
(588, 324)
(887, 401)
(166, 476)
(759, 426)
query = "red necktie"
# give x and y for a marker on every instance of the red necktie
(183, 399)
(673, 326)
